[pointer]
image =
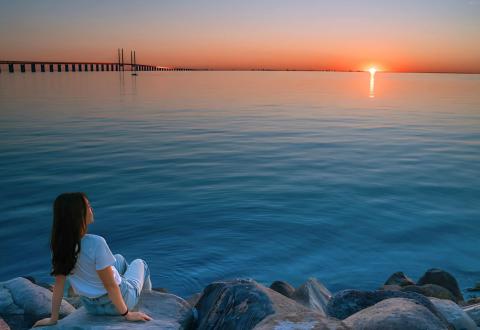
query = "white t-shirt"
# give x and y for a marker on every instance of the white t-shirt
(94, 255)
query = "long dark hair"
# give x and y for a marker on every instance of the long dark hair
(69, 224)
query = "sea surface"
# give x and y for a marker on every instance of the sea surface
(267, 175)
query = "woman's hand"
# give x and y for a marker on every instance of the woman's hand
(43, 322)
(137, 316)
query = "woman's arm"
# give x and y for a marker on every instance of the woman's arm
(106, 275)
(57, 295)
(56, 302)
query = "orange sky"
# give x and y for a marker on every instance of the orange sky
(420, 36)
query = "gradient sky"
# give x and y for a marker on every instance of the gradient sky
(403, 35)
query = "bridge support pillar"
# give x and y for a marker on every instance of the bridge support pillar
(51, 67)
(33, 67)
(79, 67)
(42, 67)
(103, 68)
(59, 68)
(66, 68)
(22, 67)
(10, 68)
(85, 67)
(73, 68)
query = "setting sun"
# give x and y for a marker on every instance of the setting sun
(372, 71)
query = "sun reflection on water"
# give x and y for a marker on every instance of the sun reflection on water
(372, 82)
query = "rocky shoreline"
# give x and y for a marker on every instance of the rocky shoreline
(434, 302)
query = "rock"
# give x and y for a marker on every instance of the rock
(455, 316)
(395, 314)
(3, 325)
(74, 301)
(348, 302)
(474, 312)
(193, 299)
(22, 303)
(240, 304)
(471, 301)
(298, 321)
(444, 279)
(399, 278)
(167, 310)
(430, 290)
(47, 286)
(30, 278)
(283, 288)
(391, 287)
(313, 295)
(475, 288)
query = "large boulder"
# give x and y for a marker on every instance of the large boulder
(22, 303)
(298, 321)
(313, 295)
(395, 314)
(455, 316)
(399, 278)
(474, 312)
(240, 304)
(348, 302)
(444, 279)
(168, 312)
(430, 290)
(283, 287)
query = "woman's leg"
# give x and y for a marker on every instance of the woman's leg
(138, 274)
(121, 264)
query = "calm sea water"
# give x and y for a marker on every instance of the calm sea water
(268, 175)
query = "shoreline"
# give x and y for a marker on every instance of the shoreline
(435, 300)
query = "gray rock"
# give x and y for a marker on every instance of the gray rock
(470, 301)
(474, 312)
(283, 288)
(168, 311)
(163, 290)
(194, 298)
(348, 302)
(313, 295)
(240, 304)
(74, 301)
(298, 321)
(430, 290)
(30, 278)
(22, 303)
(391, 287)
(444, 279)
(399, 278)
(455, 316)
(42, 284)
(395, 314)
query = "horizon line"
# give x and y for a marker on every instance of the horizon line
(5, 62)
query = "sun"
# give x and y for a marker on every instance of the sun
(372, 70)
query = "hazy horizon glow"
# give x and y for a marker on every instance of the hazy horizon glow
(415, 36)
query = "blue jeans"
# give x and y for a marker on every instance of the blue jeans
(135, 279)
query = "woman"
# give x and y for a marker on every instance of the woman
(86, 261)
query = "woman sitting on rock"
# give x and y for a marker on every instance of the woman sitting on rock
(87, 261)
